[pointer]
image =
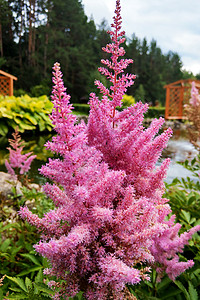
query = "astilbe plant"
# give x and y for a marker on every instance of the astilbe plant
(18, 164)
(110, 224)
(193, 114)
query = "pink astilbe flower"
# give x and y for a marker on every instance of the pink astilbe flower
(195, 97)
(18, 163)
(109, 215)
(192, 111)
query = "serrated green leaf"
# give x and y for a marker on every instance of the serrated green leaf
(183, 289)
(39, 277)
(43, 288)
(19, 282)
(32, 258)
(30, 270)
(15, 251)
(170, 294)
(28, 284)
(164, 282)
(192, 292)
(4, 246)
(14, 289)
(17, 297)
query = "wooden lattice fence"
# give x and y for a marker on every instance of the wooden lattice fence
(6, 83)
(177, 95)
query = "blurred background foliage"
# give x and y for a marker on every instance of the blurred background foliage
(37, 33)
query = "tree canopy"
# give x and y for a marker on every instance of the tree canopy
(34, 34)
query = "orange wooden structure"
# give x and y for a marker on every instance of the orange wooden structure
(177, 95)
(6, 83)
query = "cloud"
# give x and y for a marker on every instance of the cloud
(174, 24)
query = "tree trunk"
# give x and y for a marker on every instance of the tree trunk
(1, 42)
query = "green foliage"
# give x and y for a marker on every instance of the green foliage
(63, 33)
(27, 289)
(17, 256)
(19, 93)
(128, 100)
(155, 112)
(39, 90)
(25, 112)
(140, 93)
(82, 109)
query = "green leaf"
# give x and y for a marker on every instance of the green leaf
(192, 292)
(30, 118)
(164, 282)
(28, 283)
(39, 277)
(33, 269)
(26, 126)
(170, 294)
(43, 288)
(185, 215)
(191, 200)
(183, 289)
(5, 245)
(3, 128)
(32, 258)
(18, 281)
(14, 289)
(17, 297)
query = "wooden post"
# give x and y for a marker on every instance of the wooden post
(10, 87)
(180, 110)
(167, 103)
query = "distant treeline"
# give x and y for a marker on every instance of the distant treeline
(34, 34)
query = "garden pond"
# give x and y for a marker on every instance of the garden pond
(178, 150)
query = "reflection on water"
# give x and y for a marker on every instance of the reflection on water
(178, 150)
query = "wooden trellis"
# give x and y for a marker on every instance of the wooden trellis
(6, 83)
(177, 95)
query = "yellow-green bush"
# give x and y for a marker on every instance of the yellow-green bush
(128, 100)
(25, 112)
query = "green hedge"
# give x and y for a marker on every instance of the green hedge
(25, 112)
(153, 112)
(82, 109)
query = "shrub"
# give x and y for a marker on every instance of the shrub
(82, 109)
(24, 112)
(128, 100)
(155, 112)
(40, 90)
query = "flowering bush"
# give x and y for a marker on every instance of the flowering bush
(193, 113)
(18, 163)
(110, 224)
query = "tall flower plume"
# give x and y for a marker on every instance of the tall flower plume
(192, 110)
(18, 163)
(109, 215)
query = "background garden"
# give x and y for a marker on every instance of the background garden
(34, 34)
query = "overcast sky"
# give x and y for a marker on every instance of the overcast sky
(174, 24)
